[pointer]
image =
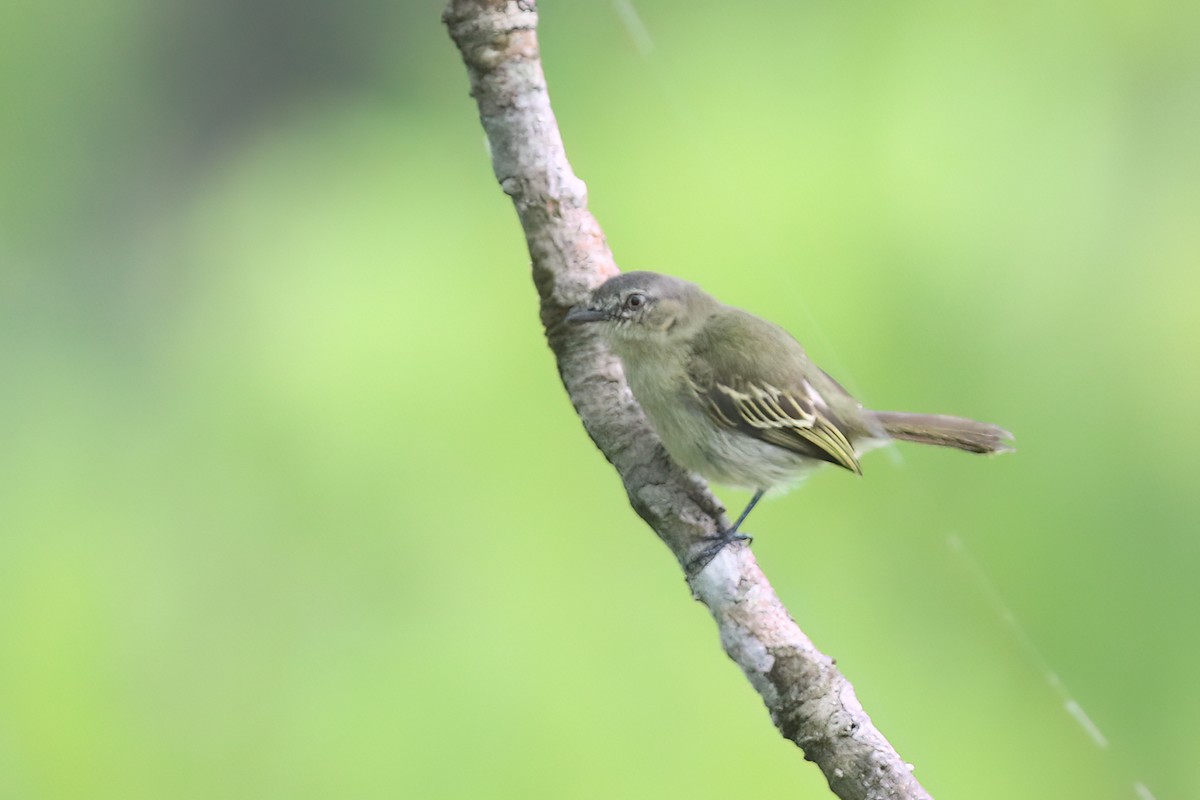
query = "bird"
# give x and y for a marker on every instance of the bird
(735, 398)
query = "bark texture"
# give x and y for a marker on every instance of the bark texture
(810, 701)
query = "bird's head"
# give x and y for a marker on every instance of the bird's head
(644, 306)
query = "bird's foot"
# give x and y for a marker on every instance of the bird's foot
(710, 551)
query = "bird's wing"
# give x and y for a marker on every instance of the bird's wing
(796, 419)
(769, 389)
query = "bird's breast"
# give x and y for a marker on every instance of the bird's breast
(696, 442)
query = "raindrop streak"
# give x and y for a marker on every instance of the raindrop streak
(1070, 704)
(688, 125)
(634, 25)
(1142, 791)
(993, 595)
(1076, 711)
(707, 169)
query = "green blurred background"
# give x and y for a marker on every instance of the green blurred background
(292, 504)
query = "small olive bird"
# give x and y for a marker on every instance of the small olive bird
(736, 399)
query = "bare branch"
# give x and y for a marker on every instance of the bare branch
(810, 701)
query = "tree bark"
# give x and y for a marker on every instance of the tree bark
(810, 701)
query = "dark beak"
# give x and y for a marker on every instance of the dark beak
(580, 314)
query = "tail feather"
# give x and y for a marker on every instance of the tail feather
(943, 431)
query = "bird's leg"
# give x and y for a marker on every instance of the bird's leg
(732, 532)
(725, 537)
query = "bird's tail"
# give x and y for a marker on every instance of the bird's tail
(935, 429)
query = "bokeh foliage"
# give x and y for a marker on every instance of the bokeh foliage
(293, 505)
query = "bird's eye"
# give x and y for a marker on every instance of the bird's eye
(635, 301)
